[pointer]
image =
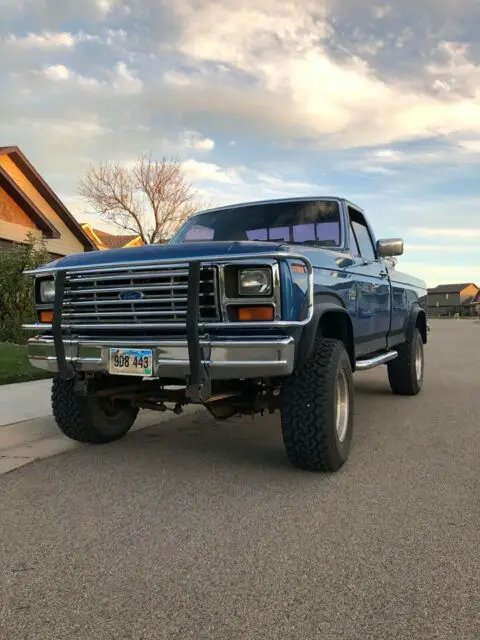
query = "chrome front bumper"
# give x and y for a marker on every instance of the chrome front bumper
(224, 360)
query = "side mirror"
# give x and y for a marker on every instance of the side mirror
(390, 247)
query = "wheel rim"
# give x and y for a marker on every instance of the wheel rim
(418, 360)
(342, 406)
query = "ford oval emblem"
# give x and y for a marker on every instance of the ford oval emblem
(131, 295)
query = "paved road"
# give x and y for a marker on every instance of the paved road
(201, 530)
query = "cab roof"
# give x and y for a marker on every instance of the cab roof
(278, 201)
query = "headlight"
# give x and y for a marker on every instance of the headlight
(47, 291)
(254, 282)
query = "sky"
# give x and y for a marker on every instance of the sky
(372, 101)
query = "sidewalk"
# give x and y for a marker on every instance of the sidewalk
(24, 401)
(28, 431)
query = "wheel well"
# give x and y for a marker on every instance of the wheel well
(337, 325)
(421, 325)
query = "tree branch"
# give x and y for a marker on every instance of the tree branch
(151, 198)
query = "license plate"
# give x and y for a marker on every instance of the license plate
(131, 362)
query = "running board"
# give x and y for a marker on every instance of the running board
(371, 363)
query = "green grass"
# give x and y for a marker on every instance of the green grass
(15, 367)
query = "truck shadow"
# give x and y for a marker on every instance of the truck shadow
(236, 443)
(240, 442)
(372, 387)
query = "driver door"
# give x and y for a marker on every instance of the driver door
(372, 287)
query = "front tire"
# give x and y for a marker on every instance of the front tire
(317, 407)
(89, 419)
(405, 373)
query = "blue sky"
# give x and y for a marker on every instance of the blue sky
(377, 102)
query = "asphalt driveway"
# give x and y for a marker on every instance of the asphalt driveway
(197, 529)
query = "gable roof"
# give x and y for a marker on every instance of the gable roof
(29, 171)
(20, 198)
(113, 241)
(105, 240)
(451, 288)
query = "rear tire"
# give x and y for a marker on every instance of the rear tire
(317, 407)
(89, 419)
(405, 373)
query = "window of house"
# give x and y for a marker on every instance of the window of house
(446, 296)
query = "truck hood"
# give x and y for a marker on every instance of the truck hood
(160, 252)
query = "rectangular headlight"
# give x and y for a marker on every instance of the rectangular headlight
(255, 282)
(47, 290)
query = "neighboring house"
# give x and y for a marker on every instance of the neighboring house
(449, 299)
(472, 305)
(29, 205)
(104, 240)
(476, 304)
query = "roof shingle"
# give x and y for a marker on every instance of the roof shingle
(113, 241)
(451, 288)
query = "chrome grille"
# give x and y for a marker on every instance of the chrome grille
(102, 297)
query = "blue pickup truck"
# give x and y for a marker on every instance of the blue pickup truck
(248, 308)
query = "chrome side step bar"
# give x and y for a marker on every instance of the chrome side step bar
(371, 363)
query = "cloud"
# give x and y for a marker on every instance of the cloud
(448, 232)
(454, 73)
(436, 273)
(279, 184)
(194, 140)
(44, 40)
(125, 81)
(120, 79)
(283, 52)
(78, 129)
(376, 101)
(105, 6)
(381, 11)
(440, 248)
(472, 146)
(208, 172)
(442, 152)
(57, 72)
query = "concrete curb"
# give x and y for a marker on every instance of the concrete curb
(37, 439)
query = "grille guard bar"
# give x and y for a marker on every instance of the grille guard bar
(198, 375)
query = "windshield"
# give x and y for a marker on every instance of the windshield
(312, 222)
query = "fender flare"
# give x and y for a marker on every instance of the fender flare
(324, 302)
(417, 317)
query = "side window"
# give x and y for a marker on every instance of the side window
(362, 235)
(354, 250)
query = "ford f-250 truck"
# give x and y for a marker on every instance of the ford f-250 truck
(248, 308)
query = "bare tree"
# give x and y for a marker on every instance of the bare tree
(151, 198)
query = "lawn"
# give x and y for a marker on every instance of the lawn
(15, 367)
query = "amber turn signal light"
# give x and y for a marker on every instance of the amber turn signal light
(46, 316)
(249, 314)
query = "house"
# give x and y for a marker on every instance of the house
(29, 205)
(472, 305)
(476, 304)
(449, 299)
(104, 240)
